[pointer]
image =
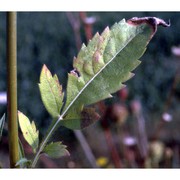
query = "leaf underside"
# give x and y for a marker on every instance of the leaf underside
(51, 92)
(30, 134)
(55, 150)
(100, 69)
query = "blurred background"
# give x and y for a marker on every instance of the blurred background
(140, 125)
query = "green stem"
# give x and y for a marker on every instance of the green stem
(44, 142)
(12, 88)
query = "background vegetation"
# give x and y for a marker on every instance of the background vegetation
(48, 38)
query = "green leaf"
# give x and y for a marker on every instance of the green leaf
(51, 92)
(102, 66)
(2, 120)
(88, 116)
(29, 131)
(23, 163)
(56, 150)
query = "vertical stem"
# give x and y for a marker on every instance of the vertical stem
(12, 88)
(87, 150)
(75, 23)
(112, 148)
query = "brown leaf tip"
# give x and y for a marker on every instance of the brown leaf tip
(153, 21)
(150, 20)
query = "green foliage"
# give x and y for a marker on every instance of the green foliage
(23, 163)
(2, 120)
(56, 150)
(88, 116)
(99, 70)
(103, 65)
(29, 131)
(51, 92)
(55, 47)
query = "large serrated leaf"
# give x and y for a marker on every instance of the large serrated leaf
(29, 131)
(56, 150)
(51, 92)
(106, 63)
(2, 121)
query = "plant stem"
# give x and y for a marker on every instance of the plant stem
(75, 23)
(85, 146)
(112, 148)
(44, 142)
(167, 104)
(12, 88)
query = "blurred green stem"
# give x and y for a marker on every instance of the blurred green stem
(12, 88)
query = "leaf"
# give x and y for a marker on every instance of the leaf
(23, 162)
(88, 116)
(2, 121)
(56, 150)
(102, 66)
(29, 131)
(51, 92)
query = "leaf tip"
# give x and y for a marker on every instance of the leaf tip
(44, 69)
(66, 153)
(107, 28)
(44, 66)
(20, 114)
(131, 75)
(152, 21)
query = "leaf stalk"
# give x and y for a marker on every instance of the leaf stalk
(44, 142)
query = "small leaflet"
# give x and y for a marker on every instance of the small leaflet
(30, 133)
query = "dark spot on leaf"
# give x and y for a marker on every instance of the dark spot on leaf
(89, 116)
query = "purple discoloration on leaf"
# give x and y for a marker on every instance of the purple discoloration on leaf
(96, 56)
(89, 116)
(74, 73)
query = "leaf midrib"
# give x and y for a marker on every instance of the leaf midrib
(87, 84)
(54, 97)
(34, 141)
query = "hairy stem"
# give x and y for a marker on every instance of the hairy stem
(12, 88)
